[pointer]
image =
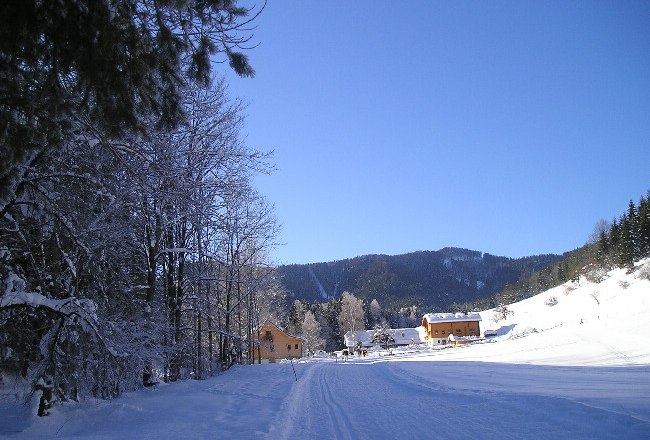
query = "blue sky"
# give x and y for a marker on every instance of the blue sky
(508, 127)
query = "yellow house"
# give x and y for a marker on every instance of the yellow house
(439, 326)
(275, 343)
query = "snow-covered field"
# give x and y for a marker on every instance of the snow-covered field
(577, 369)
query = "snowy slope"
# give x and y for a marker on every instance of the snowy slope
(577, 369)
(592, 324)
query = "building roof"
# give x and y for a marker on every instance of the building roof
(402, 336)
(451, 317)
(267, 322)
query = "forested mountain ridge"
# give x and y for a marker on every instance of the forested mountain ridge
(432, 279)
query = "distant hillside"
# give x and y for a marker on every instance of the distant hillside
(432, 279)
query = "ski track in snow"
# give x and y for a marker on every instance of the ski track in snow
(341, 400)
(338, 417)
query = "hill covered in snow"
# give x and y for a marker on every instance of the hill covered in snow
(578, 323)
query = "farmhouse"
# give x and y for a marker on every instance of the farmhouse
(402, 337)
(275, 343)
(439, 326)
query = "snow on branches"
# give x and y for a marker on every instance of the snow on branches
(72, 357)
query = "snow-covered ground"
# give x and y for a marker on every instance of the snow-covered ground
(577, 369)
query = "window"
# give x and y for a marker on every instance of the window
(296, 346)
(436, 332)
(269, 335)
(458, 331)
(288, 347)
(272, 348)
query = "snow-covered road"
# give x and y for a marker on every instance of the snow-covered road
(378, 399)
(405, 396)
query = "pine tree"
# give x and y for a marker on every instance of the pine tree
(296, 316)
(383, 335)
(327, 315)
(123, 63)
(615, 242)
(603, 247)
(644, 226)
(628, 237)
(635, 236)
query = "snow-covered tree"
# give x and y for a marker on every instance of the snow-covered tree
(165, 235)
(375, 312)
(311, 332)
(383, 335)
(352, 314)
(502, 312)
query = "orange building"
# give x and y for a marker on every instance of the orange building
(439, 326)
(275, 343)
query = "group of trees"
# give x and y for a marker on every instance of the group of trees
(612, 244)
(318, 324)
(133, 245)
(323, 325)
(627, 239)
